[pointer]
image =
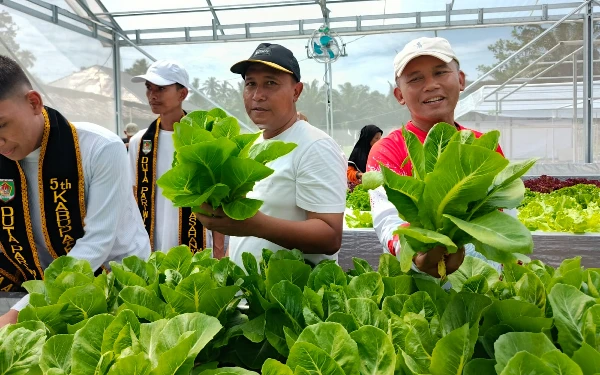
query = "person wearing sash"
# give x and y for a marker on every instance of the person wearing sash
(61, 191)
(151, 155)
(305, 197)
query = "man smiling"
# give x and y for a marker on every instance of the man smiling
(428, 82)
(304, 199)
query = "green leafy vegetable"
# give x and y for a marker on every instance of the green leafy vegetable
(458, 184)
(217, 165)
(574, 209)
(359, 219)
(183, 316)
(358, 199)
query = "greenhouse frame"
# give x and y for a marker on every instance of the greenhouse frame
(360, 225)
(486, 103)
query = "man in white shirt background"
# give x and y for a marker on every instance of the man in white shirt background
(304, 199)
(60, 192)
(151, 155)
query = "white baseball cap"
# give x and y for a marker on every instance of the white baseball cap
(165, 73)
(436, 47)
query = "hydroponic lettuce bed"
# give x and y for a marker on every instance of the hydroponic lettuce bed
(178, 314)
(551, 205)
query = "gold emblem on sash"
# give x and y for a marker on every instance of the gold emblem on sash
(7, 190)
(146, 146)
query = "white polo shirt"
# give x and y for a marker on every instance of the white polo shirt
(311, 178)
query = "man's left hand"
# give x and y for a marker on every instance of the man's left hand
(216, 220)
(9, 318)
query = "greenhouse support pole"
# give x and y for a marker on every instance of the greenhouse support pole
(575, 112)
(325, 77)
(117, 82)
(330, 99)
(588, 80)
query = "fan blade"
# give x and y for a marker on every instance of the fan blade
(331, 54)
(325, 39)
(317, 49)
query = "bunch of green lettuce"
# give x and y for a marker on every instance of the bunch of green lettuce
(359, 219)
(215, 164)
(178, 314)
(533, 319)
(144, 317)
(453, 197)
(358, 199)
(573, 209)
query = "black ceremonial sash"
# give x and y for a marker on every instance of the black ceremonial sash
(62, 203)
(191, 231)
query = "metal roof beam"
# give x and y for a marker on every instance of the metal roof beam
(58, 16)
(220, 8)
(214, 14)
(85, 8)
(114, 23)
(573, 12)
(470, 18)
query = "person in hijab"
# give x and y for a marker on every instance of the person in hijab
(357, 163)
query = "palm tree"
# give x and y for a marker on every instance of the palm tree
(354, 105)
(351, 103)
(211, 88)
(198, 99)
(312, 103)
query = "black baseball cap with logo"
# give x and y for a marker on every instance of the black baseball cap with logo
(274, 55)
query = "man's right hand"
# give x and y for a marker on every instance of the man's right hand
(9, 318)
(428, 262)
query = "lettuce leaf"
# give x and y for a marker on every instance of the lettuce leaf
(217, 165)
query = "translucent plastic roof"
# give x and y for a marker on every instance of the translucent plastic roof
(154, 14)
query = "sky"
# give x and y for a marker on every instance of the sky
(61, 52)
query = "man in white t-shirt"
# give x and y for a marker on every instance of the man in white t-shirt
(151, 155)
(304, 199)
(62, 190)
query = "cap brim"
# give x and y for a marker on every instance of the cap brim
(242, 66)
(445, 58)
(152, 78)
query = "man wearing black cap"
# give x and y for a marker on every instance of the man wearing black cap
(304, 199)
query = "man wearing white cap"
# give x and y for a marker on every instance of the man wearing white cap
(428, 81)
(130, 130)
(166, 88)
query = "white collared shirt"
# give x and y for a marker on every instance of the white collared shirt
(113, 226)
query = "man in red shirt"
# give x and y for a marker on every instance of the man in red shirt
(428, 81)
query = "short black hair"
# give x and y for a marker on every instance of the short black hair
(12, 77)
(179, 86)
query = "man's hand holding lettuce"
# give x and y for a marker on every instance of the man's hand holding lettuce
(216, 166)
(458, 186)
